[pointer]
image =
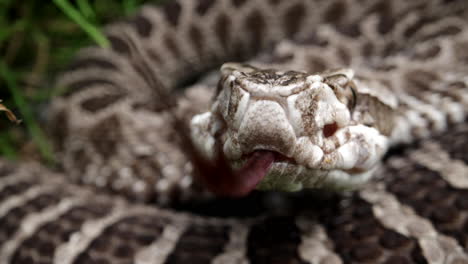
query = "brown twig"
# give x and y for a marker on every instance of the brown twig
(9, 114)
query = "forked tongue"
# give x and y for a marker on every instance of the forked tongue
(244, 180)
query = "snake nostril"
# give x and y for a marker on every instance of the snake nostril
(330, 129)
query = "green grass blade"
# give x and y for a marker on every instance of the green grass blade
(76, 16)
(86, 9)
(6, 148)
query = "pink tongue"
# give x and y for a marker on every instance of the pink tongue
(254, 170)
(243, 181)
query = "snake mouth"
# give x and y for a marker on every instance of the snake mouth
(256, 165)
(278, 157)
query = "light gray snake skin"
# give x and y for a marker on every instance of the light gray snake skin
(126, 192)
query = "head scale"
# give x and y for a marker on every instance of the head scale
(300, 124)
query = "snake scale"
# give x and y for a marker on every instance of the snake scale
(125, 191)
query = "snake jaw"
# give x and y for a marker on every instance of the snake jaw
(307, 119)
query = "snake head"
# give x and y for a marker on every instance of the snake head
(289, 130)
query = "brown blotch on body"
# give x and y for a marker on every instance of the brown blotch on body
(204, 6)
(172, 11)
(418, 25)
(172, 46)
(293, 19)
(208, 240)
(428, 53)
(196, 38)
(449, 30)
(280, 246)
(335, 12)
(119, 45)
(142, 25)
(106, 136)
(89, 62)
(98, 103)
(223, 29)
(59, 129)
(238, 3)
(386, 18)
(316, 64)
(255, 24)
(154, 56)
(274, 2)
(84, 84)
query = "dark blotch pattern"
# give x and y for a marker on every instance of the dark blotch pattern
(199, 244)
(432, 197)
(222, 29)
(13, 219)
(203, 6)
(316, 64)
(255, 24)
(81, 162)
(172, 11)
(58, 128)
(15, 189)
(385, 15)
(442, 32)
(427, 53)
(413, 29)
(142, 25)
(119, 242)
(335, 12)
(418, 81)
(196, 38)
(293, 19)
(171, 45)
(456, 140)
(41, 246)
(97, 103)
(106, 135)
(274, 241)
(84, 84)
(359, 237)
(89, 62)
(274, 2)
(119, 45)
(238, 3)
(6, 169)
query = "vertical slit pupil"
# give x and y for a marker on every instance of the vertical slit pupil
(330, 129)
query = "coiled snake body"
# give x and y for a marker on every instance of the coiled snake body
(334, 83)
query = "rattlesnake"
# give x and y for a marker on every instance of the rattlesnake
(119, 130)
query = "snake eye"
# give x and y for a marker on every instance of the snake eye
(330, 129)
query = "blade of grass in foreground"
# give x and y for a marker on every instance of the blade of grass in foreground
(6, 148)
(76, 16)
(32, 126)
